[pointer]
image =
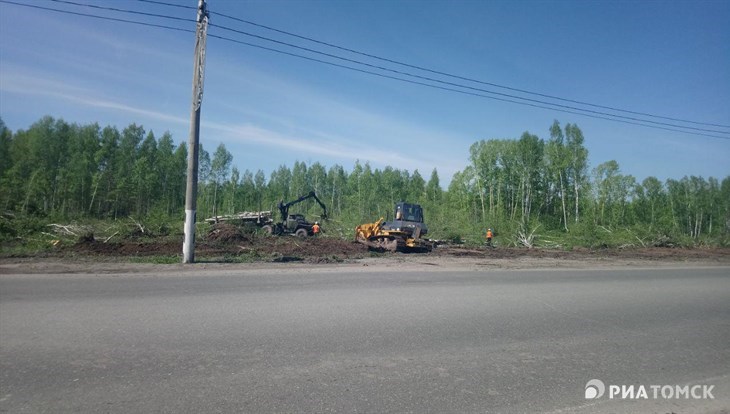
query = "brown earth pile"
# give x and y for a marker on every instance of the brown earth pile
(230, 242)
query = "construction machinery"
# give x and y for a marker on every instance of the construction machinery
(404, 234)
(295, 224)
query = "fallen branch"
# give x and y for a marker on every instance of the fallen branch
(63, 229)
(527, 240)
(141, 228)
(110, 237)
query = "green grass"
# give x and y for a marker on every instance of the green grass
(162, 259)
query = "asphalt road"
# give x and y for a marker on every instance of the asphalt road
(367, 341)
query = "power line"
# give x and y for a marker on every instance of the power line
(456, 90)
(33, 6)
(169, 4)
(93, 6)
(412, 66)
(462, 77)
(535, 101)
(608, 117)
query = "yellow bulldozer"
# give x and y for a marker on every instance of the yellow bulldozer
(404, 234)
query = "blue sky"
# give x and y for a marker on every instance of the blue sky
(669, 58)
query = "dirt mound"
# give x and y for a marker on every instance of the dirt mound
(127, 248)
(316, 249)
(228, 243)
(226, 233)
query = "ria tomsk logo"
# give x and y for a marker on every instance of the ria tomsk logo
(594, 389)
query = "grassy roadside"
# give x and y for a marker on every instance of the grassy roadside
(159, 241)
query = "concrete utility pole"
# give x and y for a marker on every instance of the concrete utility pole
(191, 193)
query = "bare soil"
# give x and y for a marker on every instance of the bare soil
(227, 243)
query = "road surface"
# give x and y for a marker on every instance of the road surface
(382, 340)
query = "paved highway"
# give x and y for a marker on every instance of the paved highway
(349, 339)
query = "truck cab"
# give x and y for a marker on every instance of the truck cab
(295, 222)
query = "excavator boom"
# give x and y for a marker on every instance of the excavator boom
(284, 208)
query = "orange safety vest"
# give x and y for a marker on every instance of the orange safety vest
(489, 234)
(315, 229)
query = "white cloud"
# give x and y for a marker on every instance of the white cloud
(317, 138)
(327, 148)
(333, 125)
(42, 86)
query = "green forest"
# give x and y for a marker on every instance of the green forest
(532, 190)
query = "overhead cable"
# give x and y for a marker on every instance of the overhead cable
(536, 104)
(458, 85)
(412, 66)
(456, 90)
(161, 26)
(94, 6)
(169, 4)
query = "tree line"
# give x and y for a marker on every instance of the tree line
(519, 187)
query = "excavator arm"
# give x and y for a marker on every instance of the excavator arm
(284, 208)
(321, 204)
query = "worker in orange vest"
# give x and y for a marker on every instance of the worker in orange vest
(489, 237)
(315, 228)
